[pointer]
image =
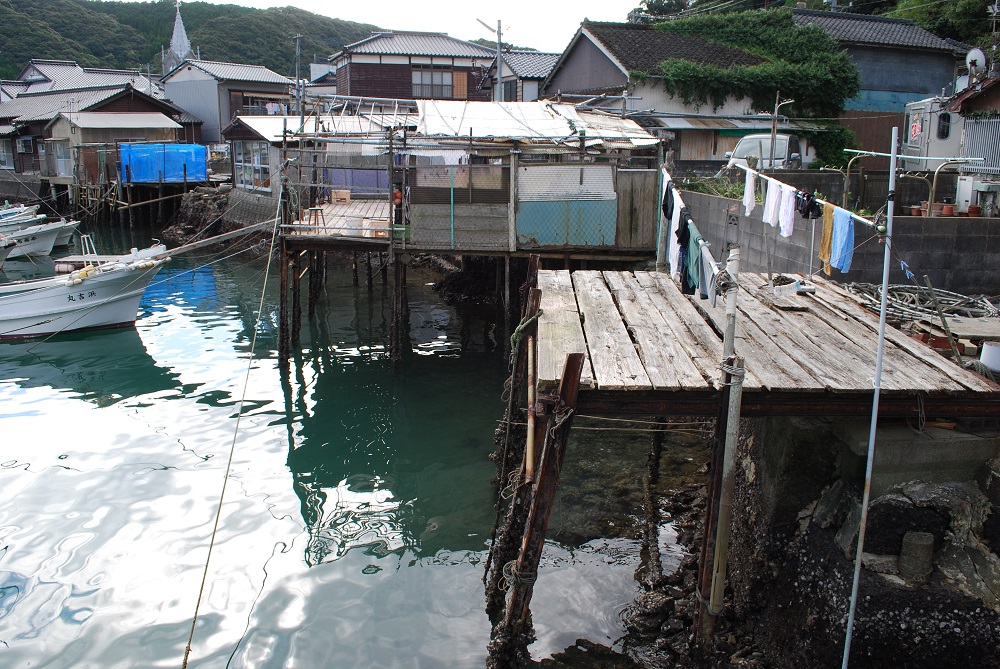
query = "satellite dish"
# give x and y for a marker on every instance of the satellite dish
(975, 60)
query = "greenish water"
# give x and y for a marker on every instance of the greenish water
(358, 507)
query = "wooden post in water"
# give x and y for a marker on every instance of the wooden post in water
(354, 269)
(284, 348)
(296, 298)
(159, 194)
(509, 646)
(368, 269)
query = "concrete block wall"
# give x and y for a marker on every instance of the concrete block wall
(958, 254)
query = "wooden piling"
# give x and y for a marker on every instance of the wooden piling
(284, 347)
(354, 269)
(296, 298)
(509, 645)
(368, 269)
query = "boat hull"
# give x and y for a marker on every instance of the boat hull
(49, 306)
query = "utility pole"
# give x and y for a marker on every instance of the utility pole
(298, 98)
(498, 91)
(774, 126)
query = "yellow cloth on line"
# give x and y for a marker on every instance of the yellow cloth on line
(826, 241)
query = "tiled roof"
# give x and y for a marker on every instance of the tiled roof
(640, 47)
(417, 44)
(29, 107)
(531, 64)
(63, 75)
(234, 72)
(865, 29)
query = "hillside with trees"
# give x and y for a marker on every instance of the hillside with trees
(96, 33)
(968, 21)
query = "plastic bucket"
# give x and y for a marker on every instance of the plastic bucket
(990, 356)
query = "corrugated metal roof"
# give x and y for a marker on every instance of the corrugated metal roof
(865, 29)
(272, 128)
(131, 120)
(234, 72)
(417, 44)
(524, 121)
(530, 64)
(748, 123)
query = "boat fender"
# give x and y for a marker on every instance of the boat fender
(77, 282)
(68, 282)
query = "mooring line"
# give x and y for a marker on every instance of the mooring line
(232, 447)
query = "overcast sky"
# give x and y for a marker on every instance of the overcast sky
(540, 24)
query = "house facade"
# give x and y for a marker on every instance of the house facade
(68, 131)
(615, 65)
(217, 92)
(523, 74)
(412, 65)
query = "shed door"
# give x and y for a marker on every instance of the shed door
(566, 206)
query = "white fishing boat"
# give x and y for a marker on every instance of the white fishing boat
(65, 236)
(9, 225)
(6, 246)
(98, 296)
(13, 211)
(36, 240)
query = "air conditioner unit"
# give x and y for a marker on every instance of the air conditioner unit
(24, 145)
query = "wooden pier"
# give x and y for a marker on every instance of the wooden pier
(651, 350)
(620, 344)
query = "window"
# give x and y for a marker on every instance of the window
(510, 90)
(251, 165)
(944, 125)
(24, 145)
(432, 81)
(6, 155)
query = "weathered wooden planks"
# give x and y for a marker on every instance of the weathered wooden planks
(667, 364)
(613, 355)
(559, 330)
(702, 343)
(922, 355)
(643, 335)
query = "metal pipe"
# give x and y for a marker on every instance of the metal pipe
(870, 465)
(847, 178)
(911, 175)
(930, 202)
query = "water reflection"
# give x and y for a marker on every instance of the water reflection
(384, 461)
(101, 367)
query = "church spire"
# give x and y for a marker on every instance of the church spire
(180, 45)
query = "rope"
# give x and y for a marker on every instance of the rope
(732, 370)
(232, 447)
(981, 369)
(513, 578)
(515, 337)
(905, 302)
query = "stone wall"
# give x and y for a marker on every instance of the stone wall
(958, 254)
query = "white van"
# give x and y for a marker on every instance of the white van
(787, 155)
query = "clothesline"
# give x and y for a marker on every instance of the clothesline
(857, 217)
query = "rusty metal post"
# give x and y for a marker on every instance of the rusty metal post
(296, 299)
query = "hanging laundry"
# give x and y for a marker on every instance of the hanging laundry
(709, 273)
(750, 193)
(668, 201)
(842, 246)
(772, 201)
(693, 260)
(786, 214)
(826, 240)
(688, 274)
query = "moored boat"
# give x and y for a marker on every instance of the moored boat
(6, 246)
(66, 234)
(36, 240)
(102, 296)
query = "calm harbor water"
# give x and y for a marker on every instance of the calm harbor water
(358, 507)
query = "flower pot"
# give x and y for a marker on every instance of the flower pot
(975, 210)
(915, 210)
(947, 210)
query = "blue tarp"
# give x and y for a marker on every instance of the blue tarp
(149, 163)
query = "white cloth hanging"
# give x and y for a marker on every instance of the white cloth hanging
(772, 202)
(749, 193)
(786, 215)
